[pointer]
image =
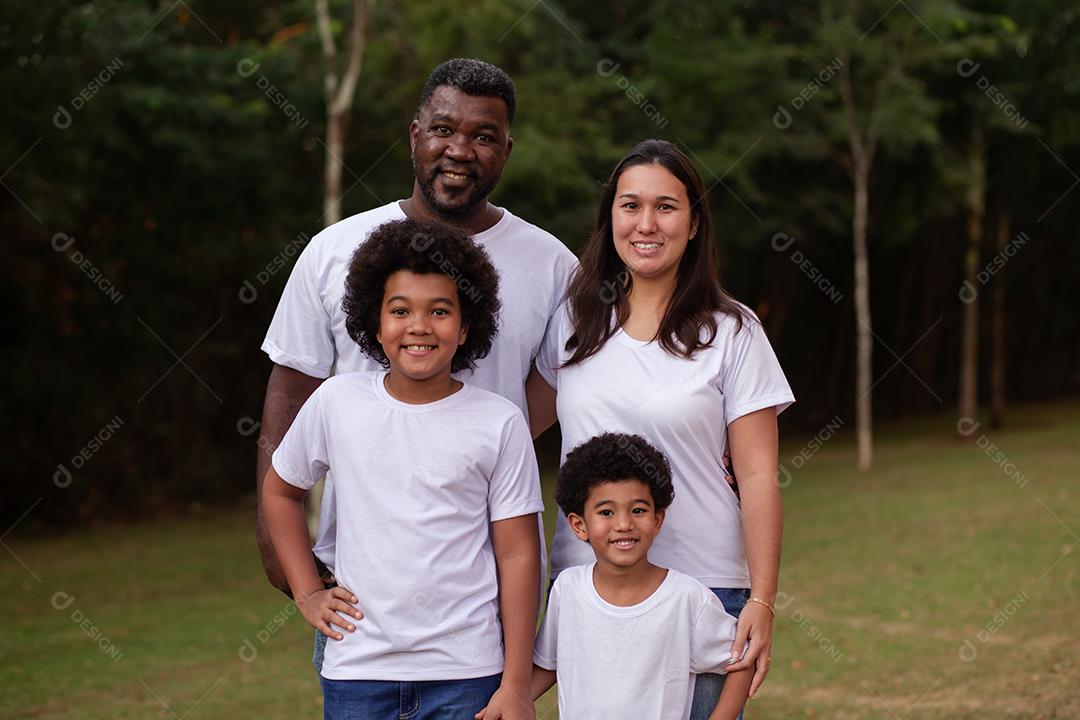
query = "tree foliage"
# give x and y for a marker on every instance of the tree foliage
(173, 153)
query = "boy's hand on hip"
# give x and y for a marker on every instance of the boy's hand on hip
(324, 609)
(755, 626)
(507, 704)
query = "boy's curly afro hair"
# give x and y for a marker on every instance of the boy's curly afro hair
(612, 457)
(421, 248)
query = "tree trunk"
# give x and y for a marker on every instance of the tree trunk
(339, 90)
(335, 148)
(997, 351)
(969, 347)
(863, 329)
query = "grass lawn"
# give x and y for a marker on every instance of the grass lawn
(943, 584)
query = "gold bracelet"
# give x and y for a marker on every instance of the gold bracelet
(759, 600)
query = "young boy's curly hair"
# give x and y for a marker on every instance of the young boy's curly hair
(612, 457)
(422, 248)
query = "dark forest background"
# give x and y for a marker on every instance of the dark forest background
(164, 164)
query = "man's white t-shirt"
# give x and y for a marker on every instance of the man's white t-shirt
(308, 330)
(631, 662)
(417, 489)
(683, 407)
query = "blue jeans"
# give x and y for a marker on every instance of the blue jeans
(420, 700)
(708, 686)
(320, 651)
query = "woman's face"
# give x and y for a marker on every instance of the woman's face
(651, 221)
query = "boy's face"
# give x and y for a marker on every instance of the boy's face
(619, 522)
(420, 325)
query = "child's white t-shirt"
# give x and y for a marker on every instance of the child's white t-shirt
(631, 662)
(308, 330)
(683, 407)
(417, 489)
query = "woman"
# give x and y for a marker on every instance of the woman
(649, 343)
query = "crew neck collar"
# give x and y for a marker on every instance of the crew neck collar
(644, 606)
(503, 222)
(379, 380)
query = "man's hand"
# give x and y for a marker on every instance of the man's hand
(321, 609)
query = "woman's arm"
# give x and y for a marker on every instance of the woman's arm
(753, 440)
(516, 543)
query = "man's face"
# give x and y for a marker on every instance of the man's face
(460, 144)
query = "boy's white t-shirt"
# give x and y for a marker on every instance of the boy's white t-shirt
(308, 330)
(631, 662)
(417, 489)
(683, 407)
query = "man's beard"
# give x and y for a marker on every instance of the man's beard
(477, 195)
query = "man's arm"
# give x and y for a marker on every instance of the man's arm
(540, 398)
(542, 680)
(286, 392)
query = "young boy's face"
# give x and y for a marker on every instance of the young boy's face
(420, 325)
(619, 521)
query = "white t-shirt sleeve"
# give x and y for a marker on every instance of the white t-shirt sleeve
(515, 484)
(711, 638)
(302, 457)
(548, 359)
(752, 379)
(300, 335)
(545, 651)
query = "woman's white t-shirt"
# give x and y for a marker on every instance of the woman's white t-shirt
(417, 489)
(636, 661)
(683, 407)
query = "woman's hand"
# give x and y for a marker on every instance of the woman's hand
(755, 626)
(321, 609)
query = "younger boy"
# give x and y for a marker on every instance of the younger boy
(437, 494)
(624, 637)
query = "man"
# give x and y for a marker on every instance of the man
(460, 143)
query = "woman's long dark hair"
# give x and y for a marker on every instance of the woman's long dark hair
(602, 281)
